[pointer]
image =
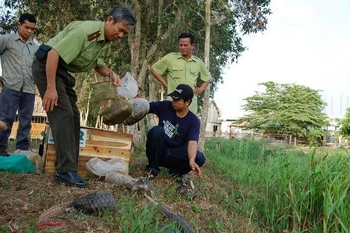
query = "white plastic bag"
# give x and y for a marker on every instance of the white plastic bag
(114, 177)
(129, 87)
(101, 168)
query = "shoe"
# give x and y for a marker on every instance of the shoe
(150, 174)
(4, 153)
(142, 184)
(70, 179)
(184, 190)
(3, 126)
(27, 153)
(179, 178)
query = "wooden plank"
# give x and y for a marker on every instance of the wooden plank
(14, 130)
(106, 143)
(82, 171)
(107, 134)
(102, 144)
(35, 131)
(96, 152)
(104, 151)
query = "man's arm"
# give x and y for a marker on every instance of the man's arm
(192, 152)
(199, 90)
(3, 42)
(204, 77)
(158, 77)
(50, 97)
(105, 71)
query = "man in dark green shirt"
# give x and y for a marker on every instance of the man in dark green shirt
(80, 47)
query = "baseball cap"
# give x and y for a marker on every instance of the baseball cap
(182, 91)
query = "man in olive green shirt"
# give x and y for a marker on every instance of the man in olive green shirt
(80, 47)
(182, 68)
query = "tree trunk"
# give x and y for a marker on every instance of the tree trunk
(154, 84)
(205, 109)
(134, 41)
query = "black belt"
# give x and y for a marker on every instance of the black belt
(42, 51)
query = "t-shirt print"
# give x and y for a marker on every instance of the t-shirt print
(170, 130)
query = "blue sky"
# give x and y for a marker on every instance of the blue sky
(306, 43)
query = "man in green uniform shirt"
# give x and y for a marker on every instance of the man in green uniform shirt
(80, 47)
(182, 68)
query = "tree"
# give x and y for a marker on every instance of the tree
(345, 125)
(204, 115)
(159, 22)
(153, 37)
(286, 109)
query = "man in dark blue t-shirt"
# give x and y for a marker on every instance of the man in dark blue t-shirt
(173, 143)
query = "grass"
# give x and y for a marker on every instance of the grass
(247, 186)
(288, 192)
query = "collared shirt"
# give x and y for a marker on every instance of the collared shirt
(176, 70)
(16, 61)
(78, 52)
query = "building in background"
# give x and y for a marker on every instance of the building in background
(213, 127)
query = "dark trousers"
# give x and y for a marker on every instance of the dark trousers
(158, 154)
(64, 120)
(10, 102)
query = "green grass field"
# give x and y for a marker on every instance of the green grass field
(291, 191)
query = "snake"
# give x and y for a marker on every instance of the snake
(96, 202)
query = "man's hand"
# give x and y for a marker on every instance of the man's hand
(115, 79)
(106, 72)
(3, 125)
(198, 90)
(50, 99)
(1, 82)
(196, 169)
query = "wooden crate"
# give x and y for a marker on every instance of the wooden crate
(94, 142)
(35, 131)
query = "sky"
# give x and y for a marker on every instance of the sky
(307, 42)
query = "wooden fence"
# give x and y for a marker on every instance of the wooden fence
(35, 132)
